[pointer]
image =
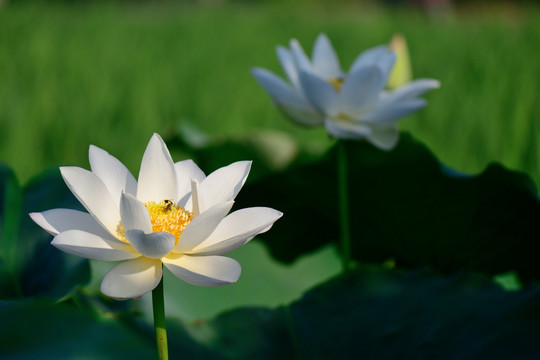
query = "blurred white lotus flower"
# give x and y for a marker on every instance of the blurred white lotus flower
(353, 105)
(174, 215)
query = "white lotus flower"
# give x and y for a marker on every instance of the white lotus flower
(351, 106)
(174, 215)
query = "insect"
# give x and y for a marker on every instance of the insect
(168, 204)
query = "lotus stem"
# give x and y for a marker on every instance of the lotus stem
(344, 206)
(158, 305)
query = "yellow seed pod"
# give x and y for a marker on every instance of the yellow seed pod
(402, 72)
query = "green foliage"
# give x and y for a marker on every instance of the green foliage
(389, 314)
(10, 203)
(371, 313)
(414, 211)
(133, 69)
(406, 206)
(40, 329)
(29, 265)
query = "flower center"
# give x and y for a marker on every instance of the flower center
(343, 118)
(336, 83)
(167, 217)
(164, 216)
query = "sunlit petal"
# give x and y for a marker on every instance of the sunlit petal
(223, 184)
(157, 176)
(154, 245)
(91, 246)
(112, 172)
(132, 278)
(56, 221)
(237, 229)
(204, 270)
(193, 201)
(186, 171)
(200, 228)
(93, 195)
(134, 214)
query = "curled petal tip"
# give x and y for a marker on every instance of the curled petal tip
(430, 83)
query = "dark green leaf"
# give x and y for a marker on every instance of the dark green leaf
(50, 272)
(38, 329)
(405, 206)
(10, 212)
(34, 266)
(181, 342)
(250, 333)
(374, 313)
(371, 313)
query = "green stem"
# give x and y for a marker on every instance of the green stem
(158, 304)
(344, 206)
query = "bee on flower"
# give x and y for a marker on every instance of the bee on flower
(173, 216)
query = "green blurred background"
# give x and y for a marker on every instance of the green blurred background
(113, 73)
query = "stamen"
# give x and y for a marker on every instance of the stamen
(167, 217)
(336, 83)
(343, 117)
(121, 232)
(164, 217)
